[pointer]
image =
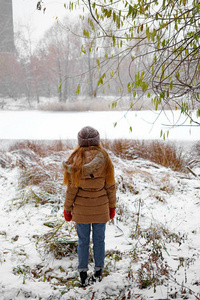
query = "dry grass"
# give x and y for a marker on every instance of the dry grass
(196, 149)
(162, 153)
(60, 241)
(61, 247)
(154, 270)
(96, 104)
(41, 166)
(126, 184)
(165, 184)
(79, 106)
(41, 173)
(42, 149)
(167, 155)
(5, 160)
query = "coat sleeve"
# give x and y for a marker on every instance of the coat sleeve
(111, 192)
(70, 197)
(110, 184)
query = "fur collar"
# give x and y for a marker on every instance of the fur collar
(90, 167)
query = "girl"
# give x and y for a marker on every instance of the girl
(90, 198)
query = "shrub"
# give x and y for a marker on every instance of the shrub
(154, 270)
(162, 153)
(60, 242)
(40, 148)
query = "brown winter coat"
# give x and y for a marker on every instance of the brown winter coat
(90, 201)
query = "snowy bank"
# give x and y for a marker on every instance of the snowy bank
(152, 248)
(35, 125)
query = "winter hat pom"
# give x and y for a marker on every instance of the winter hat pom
(88, 136)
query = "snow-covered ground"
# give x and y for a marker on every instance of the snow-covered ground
(153, 246)
(39, 125)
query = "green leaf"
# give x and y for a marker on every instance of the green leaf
(167, 133)
(130, 10)
(162, 95)
(86, 33)
(59, 88)
(148, 33)
(71, 5)
(114, 16)
(114, 104)
(83, 49)
(114, 40)
(98, 63)
(129, 87)
(78, 89)
(100, 81)
(184, 108)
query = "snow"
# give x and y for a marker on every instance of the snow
(39, 125)
(161, 201)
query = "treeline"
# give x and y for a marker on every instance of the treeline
(65, 64)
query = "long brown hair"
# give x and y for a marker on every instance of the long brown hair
(77, 160)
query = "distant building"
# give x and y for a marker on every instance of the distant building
(6, 27)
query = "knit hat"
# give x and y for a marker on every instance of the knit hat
(88, 136)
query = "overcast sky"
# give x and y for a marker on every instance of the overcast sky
(25, 13)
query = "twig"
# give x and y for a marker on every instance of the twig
(138, 217)
(193, 173)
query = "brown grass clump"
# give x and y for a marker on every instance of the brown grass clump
(5, 160)
(62, 247)
(61, 242)
(126, 184)
(35, 175)
(41, 184)
(162, 153)
(41, 166)
(197, 149)
(167, 155)
(41, 174)
(195, 158)
(40, 148)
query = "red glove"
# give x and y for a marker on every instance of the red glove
(112, 212)
(67, 215)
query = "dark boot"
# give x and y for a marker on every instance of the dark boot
(84, 278)
(97, 276)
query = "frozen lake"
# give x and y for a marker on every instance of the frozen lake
(37, 125)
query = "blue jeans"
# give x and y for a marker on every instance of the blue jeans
(98, 238)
